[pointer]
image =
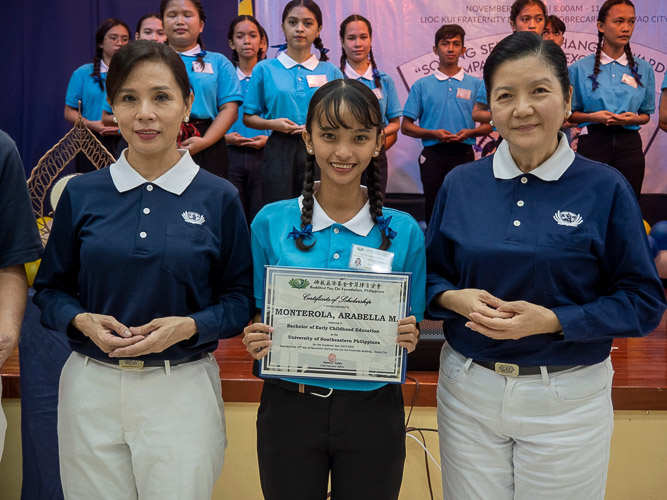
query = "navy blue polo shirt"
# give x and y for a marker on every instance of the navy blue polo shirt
(567, 236)
(139, 250)
(19, 238)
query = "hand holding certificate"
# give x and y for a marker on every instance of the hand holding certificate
(335, 324)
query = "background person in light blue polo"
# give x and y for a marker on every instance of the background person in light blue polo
(442, 103)
(88, 85)
(213, 80)
(357, 62)
(278, 97)
(353, 430)
(613, 94)
(248, 42)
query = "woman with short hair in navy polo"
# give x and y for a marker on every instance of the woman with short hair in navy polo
(353, 430)
(533, 278)
(613, 94)
(214, 83)
(147, 266)
(278, 96)
(357, 62)
(88, 85)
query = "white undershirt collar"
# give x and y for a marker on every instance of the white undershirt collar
(605, 59)
(192, 52)
(504, 166)
(351, 73)
(241, 75)
(103, 67)
(360, 224)
(310, 63)
(175, 180)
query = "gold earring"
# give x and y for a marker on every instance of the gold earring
(569, 113)
(491, 123)
(186, 119)
(115, 120)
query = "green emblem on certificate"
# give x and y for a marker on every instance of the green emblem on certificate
(299, 283)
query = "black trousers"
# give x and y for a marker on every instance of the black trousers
(358, 435)
(618, 147)
(438, 160)
(245, 172)
(383, 164)
(214, 158)
(283, 167)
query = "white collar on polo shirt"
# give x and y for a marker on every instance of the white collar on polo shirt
(240, 74)
(351, 73)
(175, 180)
(192, 52)
(605, 59)
(360, 224)
(442, 77)
(310, 63)
(103, 67)
(504, 166)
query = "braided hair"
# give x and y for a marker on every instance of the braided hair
(317, 12)
(325, 107)
(632, 64)
(202, 17)
(101, 32)
(230, 36)
(343, 57)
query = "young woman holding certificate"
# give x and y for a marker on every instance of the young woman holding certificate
(308, 428)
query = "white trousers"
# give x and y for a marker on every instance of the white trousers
(3, 423)
(154, 433)
(526, 438)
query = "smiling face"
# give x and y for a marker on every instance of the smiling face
(357, 41)
(114, 39)
(618, 26)
(182, 24)
(149, 108)
(527, 105)
(343, 153)
(301, 28)
(151, 29)
(449, 50)
(530, 18)
(246, 40)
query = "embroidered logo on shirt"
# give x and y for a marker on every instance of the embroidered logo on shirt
(568, 219)
(193, 218)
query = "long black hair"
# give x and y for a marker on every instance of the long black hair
(343, 56)
(317, 12)
(101, 32)
(632, 64)
(325, 107)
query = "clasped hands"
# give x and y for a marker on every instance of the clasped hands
(119, 341)
(498, 319)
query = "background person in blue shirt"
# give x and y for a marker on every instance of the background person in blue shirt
(442, 103)
(353, 430)
(613, 94)
(278, 96)
(248, 42)
(149, 27)
(663, 104)
(87, 85)
(534, 278)
(147, 266)
(525, 15)
(214, 83)
(19, 244)
(357, 62)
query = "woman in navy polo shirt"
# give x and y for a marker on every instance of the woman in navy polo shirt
(87, 85)
(278, 96)
(613, 95)
(214, 83)
(353, 430)
(533, 279)
(146, 267)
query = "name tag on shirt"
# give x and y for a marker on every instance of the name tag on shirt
(316, 80)
(378, 93)
(371, 259)
(463, 93)
(198, 68)
(629, 80)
